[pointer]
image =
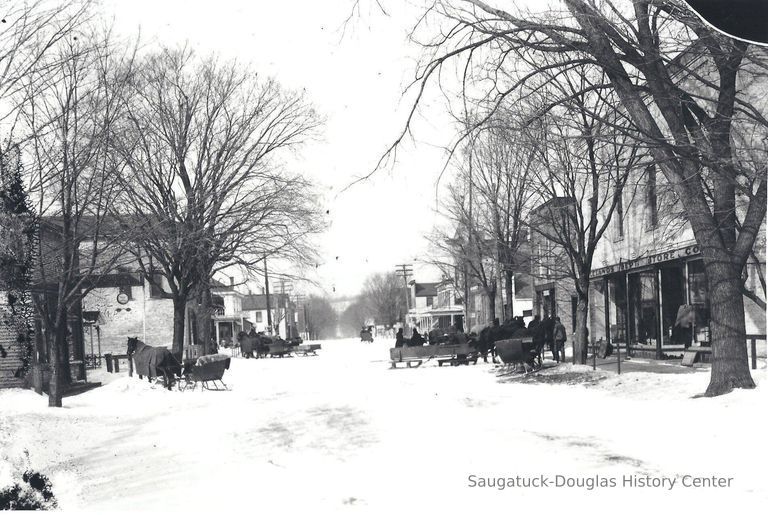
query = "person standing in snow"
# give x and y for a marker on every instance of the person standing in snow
(547, 328)
(559, 337)
(399, 338)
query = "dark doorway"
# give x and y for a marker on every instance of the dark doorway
(672, 297)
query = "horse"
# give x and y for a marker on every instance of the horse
(151, 360)
(485, 342)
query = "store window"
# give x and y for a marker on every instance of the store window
(617, 308)
(673, 305)
(643, 304)
(697, 288)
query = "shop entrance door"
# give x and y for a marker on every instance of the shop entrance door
(643, 307)
(672, 297)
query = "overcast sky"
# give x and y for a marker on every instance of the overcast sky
(355, 79)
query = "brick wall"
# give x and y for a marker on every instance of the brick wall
(149, 319)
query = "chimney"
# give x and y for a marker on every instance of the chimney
(231, 281)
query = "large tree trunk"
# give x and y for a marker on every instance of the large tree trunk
(730, 365)
(581, 340)
(57, 383)
(204, 319)
(179, 314)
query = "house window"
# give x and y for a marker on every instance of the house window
(651, 203)
(619, 213)
(156, 290)
(429, 301)
(259, 317)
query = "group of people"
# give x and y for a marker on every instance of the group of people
(435, 336)
(549, 332)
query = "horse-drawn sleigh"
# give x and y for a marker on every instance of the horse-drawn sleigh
(160, 363)
(366, 335)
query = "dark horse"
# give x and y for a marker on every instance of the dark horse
(153, 362)
(485, 342)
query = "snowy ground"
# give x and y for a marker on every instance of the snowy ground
(342, 432)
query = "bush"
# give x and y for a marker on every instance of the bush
(33, 494)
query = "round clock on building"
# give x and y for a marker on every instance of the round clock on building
(122, 298)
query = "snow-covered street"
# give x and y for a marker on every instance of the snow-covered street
(342, 432)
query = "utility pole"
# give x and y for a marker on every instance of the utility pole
(284, 313)
(405, 271)
(266, 291)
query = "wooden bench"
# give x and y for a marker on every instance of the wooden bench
(693, 354)
(307, 349)
(454, 354)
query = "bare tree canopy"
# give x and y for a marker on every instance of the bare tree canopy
(204, 183)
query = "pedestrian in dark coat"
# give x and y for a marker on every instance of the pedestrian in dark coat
(416, 339)
(246, 344)
(548, 328)
(255, 341)
(559, 336)
(434, 336)
(399, 338)
(533, 324)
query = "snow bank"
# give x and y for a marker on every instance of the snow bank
(342, 432)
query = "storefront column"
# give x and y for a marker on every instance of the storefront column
(627, 314)
(607, 300)
(659, 314)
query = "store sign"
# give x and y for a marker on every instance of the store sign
(692, 250)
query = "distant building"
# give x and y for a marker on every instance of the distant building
(553, 286)
(285, 316)
(422, 297)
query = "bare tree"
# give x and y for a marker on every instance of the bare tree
(382, 298)
(200, 143)
(501, 182)
(71, 107)
(692, 94)
(468, 243)
(29, 31)
(321, 317)
(354, 317)
(584, 160)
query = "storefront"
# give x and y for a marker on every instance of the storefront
(655, 305)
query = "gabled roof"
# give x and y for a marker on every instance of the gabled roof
(425, 289)
(219, 286)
